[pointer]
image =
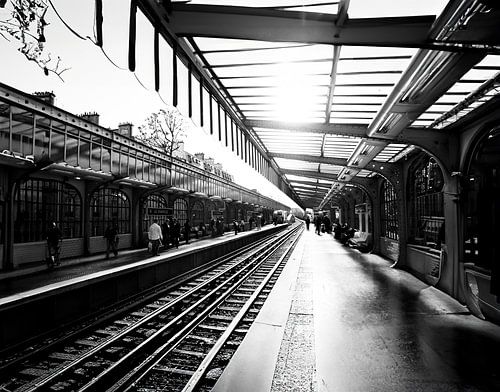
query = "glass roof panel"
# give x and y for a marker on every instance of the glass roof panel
(389, 152)
(292, 177)
(277, 54)
(291, 82)
(471, 82)
(382, 8)
(364, 173)
(273, 68)
(295, 164)
(272, 80)
(349, 98)
(293, 5)
(331, 169)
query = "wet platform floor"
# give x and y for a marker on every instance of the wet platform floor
(340, 320)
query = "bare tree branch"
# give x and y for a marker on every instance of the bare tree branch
(26, 24)
(164, 130)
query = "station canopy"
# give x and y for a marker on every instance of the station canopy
(331, 93)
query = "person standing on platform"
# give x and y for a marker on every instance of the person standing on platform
(155, 236)
(175, 232)
(111, 235)
(250, 222)
(235, 227)
(165, 231)
(308, 222)
(327, 223)
(317, 223)
(187, 230)
(242, 225)
(212, 228)
(54, 239)
(262, 220)
(259, 222)
(218, 227)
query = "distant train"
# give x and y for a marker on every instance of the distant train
(280, 216)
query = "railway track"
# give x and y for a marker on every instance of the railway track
(93, 360)
(195, 357)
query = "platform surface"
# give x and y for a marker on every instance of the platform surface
(20, 283)
(340, 320)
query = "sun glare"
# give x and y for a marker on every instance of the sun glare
(295, 98)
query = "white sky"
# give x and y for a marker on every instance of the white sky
(93, 83)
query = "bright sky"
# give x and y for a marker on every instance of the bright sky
(93, 83)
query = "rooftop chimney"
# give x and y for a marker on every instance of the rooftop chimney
(91, 117)
(125, 129)
(47, 96)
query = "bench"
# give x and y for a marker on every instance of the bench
(360, 241)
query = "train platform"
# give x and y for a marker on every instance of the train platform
(44, 300)
(38, 276)
(341, 320)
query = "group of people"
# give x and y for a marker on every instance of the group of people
(237, 227)
(322, 224)
(343, 233)
(216, 227)
(168, 234)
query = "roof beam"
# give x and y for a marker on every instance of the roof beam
(342, 17)
(384, 168)
(310, 188)
(311, 183)
(294, 26)
(356, 130)
(310, 174)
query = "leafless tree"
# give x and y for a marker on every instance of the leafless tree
(163, 130)
(24, 21)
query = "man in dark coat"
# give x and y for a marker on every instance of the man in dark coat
(54, 238)
(175, 233)
(165, 230)
(187, 230)
(111, 234)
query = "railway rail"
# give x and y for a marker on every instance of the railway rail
(95, 358)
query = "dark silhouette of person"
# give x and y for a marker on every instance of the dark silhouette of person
(317, 223)
(235, 227)
(165, 230)
(111, 235)
(54, 238)
(187, 230)
(308, 222)
(175, 232)
(213, 231)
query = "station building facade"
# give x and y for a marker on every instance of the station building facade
(62, 168)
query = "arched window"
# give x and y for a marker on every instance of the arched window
(154, 207)
(109, 206)
(482, 207)
(181, 210)
(40, 202)
(197, 213)
(390, 217)
(426, 208)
